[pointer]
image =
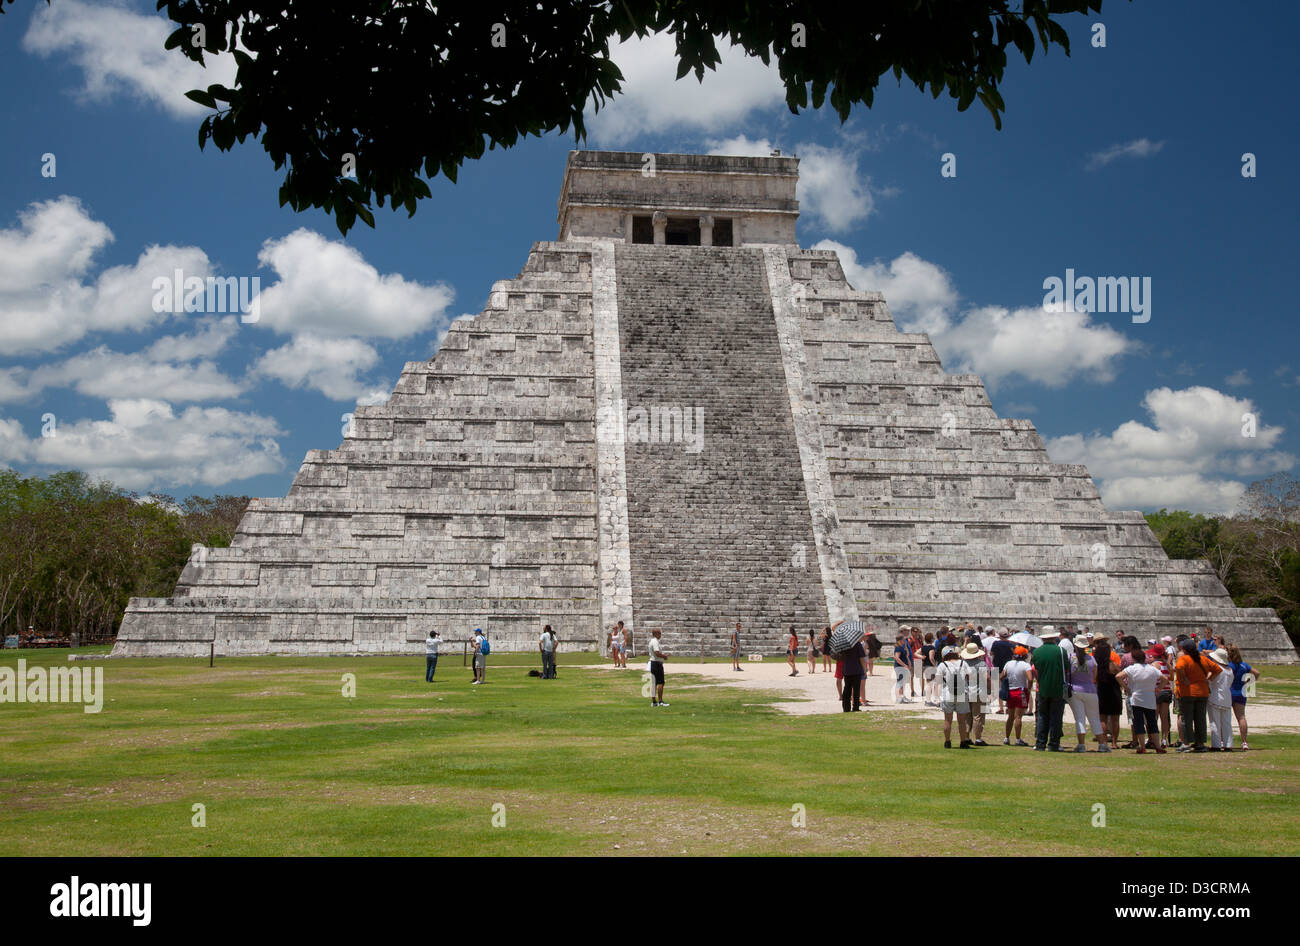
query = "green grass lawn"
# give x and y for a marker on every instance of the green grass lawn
(285, 764)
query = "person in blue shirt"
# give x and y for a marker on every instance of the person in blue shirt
(1240, 669)
(1208, 644)
(902, 665)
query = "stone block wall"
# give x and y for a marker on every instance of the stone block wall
(949, 512)
(466, 500)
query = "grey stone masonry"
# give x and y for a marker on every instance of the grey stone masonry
(611, 469)
(604, 191)
(948, 512)
(720, 528)
(467, 500)
(837, 580)
(678, 418)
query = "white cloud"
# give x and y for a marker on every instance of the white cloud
(328, 365)
(109, 374)
(13, 385)
(146, 445)
(920, 294)
(121, 51)
(1050, 348)
(55, 242)
(373, 397)
(741, 146)
(1185, 458)
(174, 368)
(327, 288)
(45, 302)
(1238, 379)
(997, 343)
(14, 445)
(325, 297)
(1137, 148)
(654, 101)
(1189, 491)
(831, 189)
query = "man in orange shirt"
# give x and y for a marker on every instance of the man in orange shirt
(1192, 684)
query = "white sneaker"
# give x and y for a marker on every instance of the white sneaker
(662, 703)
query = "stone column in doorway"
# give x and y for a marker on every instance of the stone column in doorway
(706, 231)
(660, 221)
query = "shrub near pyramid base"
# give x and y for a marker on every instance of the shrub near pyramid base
(676, 417)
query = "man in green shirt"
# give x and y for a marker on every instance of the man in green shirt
(1049, 671)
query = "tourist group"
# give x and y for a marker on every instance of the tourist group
(1039, 672)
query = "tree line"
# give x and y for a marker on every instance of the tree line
(1255, 552)
(74, 550)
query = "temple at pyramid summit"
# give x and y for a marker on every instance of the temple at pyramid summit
(677, 417)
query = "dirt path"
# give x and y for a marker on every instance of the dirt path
(814, 693)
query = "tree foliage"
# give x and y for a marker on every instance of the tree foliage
(72, 551)
(1255, 552)
(410, 89)
(1270, 572)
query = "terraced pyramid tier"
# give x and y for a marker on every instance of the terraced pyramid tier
(468, 499)
(949, 512)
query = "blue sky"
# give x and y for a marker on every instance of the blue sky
(1117, 161)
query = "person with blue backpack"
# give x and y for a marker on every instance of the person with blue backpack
(481, 649)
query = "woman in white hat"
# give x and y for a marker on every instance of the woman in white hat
(977, 689)
(1220, 706)
(1083, 700)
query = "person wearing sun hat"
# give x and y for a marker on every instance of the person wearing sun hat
(1049, 671)
(951, 693)
(977, 689)
(1083, 696)
(1219, 709)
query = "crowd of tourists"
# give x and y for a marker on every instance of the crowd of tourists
(1107, 685)
(962, 670)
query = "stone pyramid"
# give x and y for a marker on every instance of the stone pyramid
(677, 417)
